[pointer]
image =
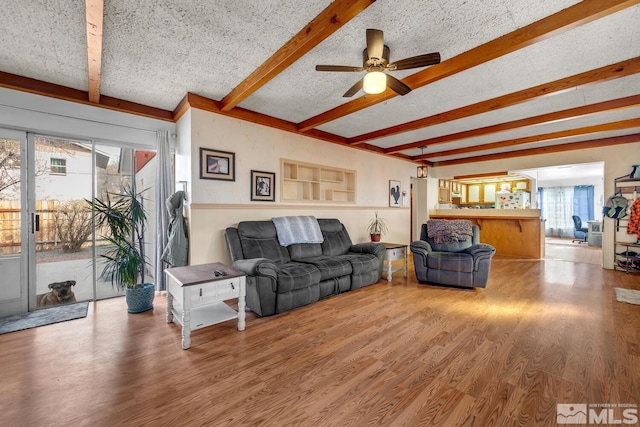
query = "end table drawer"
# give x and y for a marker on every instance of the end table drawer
(208, 293)
(395, 254)
(228, 289)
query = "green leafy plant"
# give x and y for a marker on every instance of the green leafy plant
(378, 225)
(123, 221)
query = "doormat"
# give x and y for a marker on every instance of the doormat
(629, 296)
(46, 316)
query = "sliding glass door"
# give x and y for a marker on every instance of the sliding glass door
(63, 239)
(49, 248)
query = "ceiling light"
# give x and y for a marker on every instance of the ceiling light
(423, 170)
(375, 82)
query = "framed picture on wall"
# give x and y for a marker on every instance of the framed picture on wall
(394, 194)
(263, 186)
(216, 164)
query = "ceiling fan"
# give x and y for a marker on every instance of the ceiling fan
(375, 59)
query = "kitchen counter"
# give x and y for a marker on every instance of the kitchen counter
(513, 232)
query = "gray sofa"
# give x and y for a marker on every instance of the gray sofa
(282, 278)
(464, 263)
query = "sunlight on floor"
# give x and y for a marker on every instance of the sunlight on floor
(566, 250)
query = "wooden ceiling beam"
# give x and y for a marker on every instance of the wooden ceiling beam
(94, 16)
(322, 26)
(574, 16)
(38, 87)
(583, 145)
(483, 175)
(608, 72)
(605, 127)
(571, 113)
(210, 105)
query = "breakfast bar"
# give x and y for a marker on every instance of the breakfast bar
(515, 233)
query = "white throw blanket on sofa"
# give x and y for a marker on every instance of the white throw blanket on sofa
(297, 229)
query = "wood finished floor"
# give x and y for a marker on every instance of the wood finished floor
(543, 332)
(567, 250)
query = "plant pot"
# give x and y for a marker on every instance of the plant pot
(375, 237)
(140, 299)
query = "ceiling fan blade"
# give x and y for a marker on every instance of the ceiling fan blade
(354, 89)
(347, 68)
(397, 86)
(416, 62)
(375, 43)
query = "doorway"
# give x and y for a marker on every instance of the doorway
(559, 226)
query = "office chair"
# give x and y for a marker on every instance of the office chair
(579, 232)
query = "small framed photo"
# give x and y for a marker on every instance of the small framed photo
(216, 164)
(263, 186)
(394, 194)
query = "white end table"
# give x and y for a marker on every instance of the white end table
(195, 297)
(395, 251)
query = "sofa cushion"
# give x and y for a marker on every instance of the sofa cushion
(329, 267)
(296, 275)
(362, 263)
(452, 261)
(304, 250)
(259, 240)
(336, 238)
(337, 243)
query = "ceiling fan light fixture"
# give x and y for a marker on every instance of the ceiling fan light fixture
(374, 82)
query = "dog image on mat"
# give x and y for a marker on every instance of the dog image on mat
(60, 293)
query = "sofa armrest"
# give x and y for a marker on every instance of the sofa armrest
(420, 250)
(481, 253)
(373, 248)
(481, 249)
(257, 267)
(420, 247)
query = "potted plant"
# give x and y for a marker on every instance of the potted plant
(122, 219)
(377, 227)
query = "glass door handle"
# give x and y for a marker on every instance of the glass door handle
(35, 222)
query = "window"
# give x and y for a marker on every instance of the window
(59, 166)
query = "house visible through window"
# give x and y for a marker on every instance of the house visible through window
(59, 166)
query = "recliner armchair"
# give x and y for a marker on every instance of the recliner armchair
(464, 263)
(579, 232)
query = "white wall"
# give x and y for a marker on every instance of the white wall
(215, 205)
(183, 150)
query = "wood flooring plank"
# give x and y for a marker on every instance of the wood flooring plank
(402, 353)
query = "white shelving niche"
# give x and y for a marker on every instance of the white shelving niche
(308, 182)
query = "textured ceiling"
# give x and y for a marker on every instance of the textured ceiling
(154, 52)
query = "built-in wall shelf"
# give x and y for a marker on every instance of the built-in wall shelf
(308, 182)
